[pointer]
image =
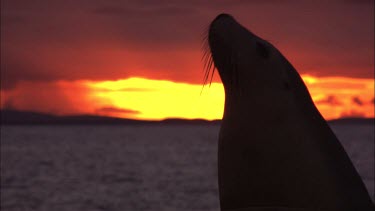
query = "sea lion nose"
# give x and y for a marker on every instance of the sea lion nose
(223, 18)
(222, 15)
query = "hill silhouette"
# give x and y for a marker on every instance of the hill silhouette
(15, 117)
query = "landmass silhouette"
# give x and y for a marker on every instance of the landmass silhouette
(17, 117)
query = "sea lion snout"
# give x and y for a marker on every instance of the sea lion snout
(227, 29)
(232, 47)
(222, 16)
(222, 23)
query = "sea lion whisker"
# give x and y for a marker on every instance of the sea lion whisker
(207, 70)
(204, 45)
(205, 60)
(205, 53)
(208, 66)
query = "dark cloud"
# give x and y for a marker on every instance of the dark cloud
(136, 90)
(108, 40)
(124, 90)
(46, 97)
(8, 104)
(112, 10)
(356, 100)
(116, 110)
(144, 12)
(18, 68)
(330, 100)
(352, 114)
(361, 1)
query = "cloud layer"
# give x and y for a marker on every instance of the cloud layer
(108, 40)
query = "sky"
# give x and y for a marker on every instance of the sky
(142, 59)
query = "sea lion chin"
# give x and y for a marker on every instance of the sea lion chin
(276, 151)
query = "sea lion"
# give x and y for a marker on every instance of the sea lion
(276, 151)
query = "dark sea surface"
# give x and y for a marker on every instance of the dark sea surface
(129, 168)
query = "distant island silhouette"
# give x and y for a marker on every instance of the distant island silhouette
(16, 117)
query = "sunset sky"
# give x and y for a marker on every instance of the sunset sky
(142, 59)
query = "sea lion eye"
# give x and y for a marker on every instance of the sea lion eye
(262, 50)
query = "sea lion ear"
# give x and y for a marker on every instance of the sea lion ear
(262, 50)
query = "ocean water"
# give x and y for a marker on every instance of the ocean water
(128, 168)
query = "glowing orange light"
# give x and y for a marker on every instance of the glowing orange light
(141, 98)
(164, 99)
(337, 97)
(157, 99)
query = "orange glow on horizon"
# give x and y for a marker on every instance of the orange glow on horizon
(141, 98)
(338, 97)
(335, 97)
(160, 99)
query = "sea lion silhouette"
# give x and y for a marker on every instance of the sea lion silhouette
(276, 152)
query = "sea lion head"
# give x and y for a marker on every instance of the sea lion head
(254, 73)
(245, 62)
